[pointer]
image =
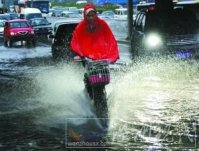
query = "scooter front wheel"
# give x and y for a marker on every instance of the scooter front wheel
(100, 101)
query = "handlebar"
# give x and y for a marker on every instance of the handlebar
(90, 62)
(101, 60)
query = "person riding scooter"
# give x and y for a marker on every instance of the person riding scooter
(92, 38)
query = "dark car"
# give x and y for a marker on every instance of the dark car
(61, 38)
(157, 32)
(13, 15)
(145, 6)
(18, 30)
(8, 16)
(5, 16)
(41, 26)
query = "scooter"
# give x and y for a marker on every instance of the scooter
(97, 76)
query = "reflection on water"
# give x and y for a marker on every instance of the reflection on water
(18, 53)
(157, 101)
(153, 104)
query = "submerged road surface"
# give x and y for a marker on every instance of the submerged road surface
(153, 103)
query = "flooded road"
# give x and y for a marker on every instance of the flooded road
(157, 105)
(38, 95)
(153, 103)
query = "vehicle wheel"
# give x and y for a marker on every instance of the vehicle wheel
(88, 87)
(55, 54)
(28, 43)
(67, 40)
(134, 50)
(34, 43)
(9, 43)
(98, 95)
(5, 43)
(100, 101)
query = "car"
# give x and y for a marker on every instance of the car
(8, 16)
(72, 9)
(41, 26)
(50, 12)
(185, 4)
(107, 14)
(18, 30)
(29, 13)
(165, 33)
(57, 12)
(11, 8)
(81, 11)
(13, 15)
(4, 16)
(61, 38)
(190, 5)
(2, 24)
(69, 14)
(121, 13)
(145, 6)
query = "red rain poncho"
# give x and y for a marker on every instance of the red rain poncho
(97, 44)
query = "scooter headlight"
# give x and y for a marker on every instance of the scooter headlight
(153, 40)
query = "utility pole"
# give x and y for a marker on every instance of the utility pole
(3, 9)
(130, 18)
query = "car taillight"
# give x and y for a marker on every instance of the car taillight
(151, 8)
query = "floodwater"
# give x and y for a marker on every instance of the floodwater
(153, 104)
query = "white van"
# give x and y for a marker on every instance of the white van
(121, 13)
(29, 13)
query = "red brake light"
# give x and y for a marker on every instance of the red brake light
(151, 8)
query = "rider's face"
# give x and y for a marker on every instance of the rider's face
(91, 16)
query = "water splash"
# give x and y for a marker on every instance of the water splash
(63, 88)
(152, 95)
